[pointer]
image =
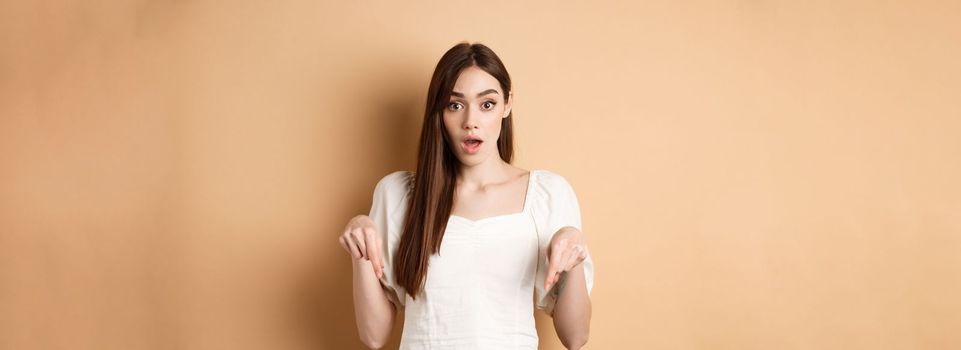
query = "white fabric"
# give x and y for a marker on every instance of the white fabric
(479, 288)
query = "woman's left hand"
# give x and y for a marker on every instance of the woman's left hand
(567, 250)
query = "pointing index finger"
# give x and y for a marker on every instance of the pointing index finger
(373, 252)
(554, 262)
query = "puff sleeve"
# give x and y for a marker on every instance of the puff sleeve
(555, 207)
(387, 211)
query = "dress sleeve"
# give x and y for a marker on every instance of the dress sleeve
(387, 211)
(556, 207)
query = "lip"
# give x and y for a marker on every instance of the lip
(471, 137)
(469, 149)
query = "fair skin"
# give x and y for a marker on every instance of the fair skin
(487, 186)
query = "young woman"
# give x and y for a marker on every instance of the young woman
(469, 243)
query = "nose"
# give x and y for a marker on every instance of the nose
(470, 122)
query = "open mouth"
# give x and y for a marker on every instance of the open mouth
(471, 146)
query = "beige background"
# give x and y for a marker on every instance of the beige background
(753, 174)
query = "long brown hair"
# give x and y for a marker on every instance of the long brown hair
(433, 184)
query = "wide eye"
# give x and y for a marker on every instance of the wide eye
(455, 106)
(488, 105)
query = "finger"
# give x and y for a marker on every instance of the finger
(555, 278)
(373, 251)
(343, 243)
(573, 257)
(549, 279)
(358, 236)
(562, 263)
(354, 251)
(554, 262)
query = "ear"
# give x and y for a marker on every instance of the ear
(508, 104)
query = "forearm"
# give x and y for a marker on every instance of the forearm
(373, 311)
(572, 311)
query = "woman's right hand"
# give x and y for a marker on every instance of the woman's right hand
(361, 241)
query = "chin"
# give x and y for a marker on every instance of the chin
(470, 160)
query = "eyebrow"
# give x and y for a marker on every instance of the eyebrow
(485, 92)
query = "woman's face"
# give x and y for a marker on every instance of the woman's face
(473, 115)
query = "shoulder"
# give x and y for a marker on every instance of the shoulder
(400, 177)
(550, 186)
(549, 181)
(394, 184)
(554, 204)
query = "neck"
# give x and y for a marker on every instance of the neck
(495, 170)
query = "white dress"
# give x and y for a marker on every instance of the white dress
(480, 289)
